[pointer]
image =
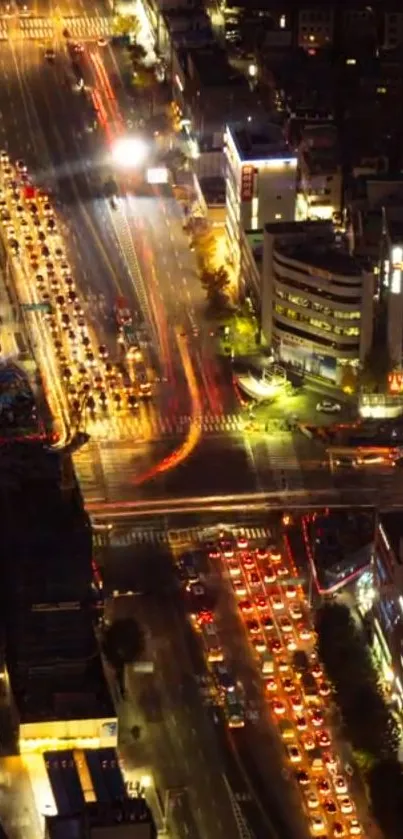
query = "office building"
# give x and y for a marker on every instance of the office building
(317, 302)
(320, 182)
(51, 604)
(260, 182)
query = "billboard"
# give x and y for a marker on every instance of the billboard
(247, 183)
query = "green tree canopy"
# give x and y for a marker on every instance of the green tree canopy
(385, 781)
(369, 724)
(216, 285)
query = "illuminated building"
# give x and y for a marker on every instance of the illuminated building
(315, 27)
(339, 547)
(260, 181)
(317, 303)
(320, 186)
(391, 274)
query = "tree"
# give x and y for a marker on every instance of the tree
(345, 654)
(216, 284)
(205, 243)
(123, 643)
(377, 366)
(126, 25)
(385, 781)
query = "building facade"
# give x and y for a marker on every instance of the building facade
(320, 182)
(260, 182)
(317, 303)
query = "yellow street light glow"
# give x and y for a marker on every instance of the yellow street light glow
(129, 152)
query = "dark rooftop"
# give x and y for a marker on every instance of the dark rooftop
(330, 259)
(260, 141)
(213, 68)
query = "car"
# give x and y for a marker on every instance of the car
(308, 743)
(302, 778)
(275, 555)
(278, 708)
(316, 825)
(338, 830)
(324, 739)
(282, 570)
(261, 603)
(254, 580)
(271, 685)
(330, 806)
(102, 42)
(21, 166)
(346, 805)
(4, 158)
(269, 574)
(227, 550)
(323, 787)
(294, 754)
(239, 588)
(301, 723)
(283, 665)
(312, 800)
(268, 623)
(354, 827)
(103, 354)
(213, 551)
(277, 602)
(326, 406)
(276, 647)
(78, 48)
(305, 633)
(50, 55)
(317, 718)
(259, 644)
(324, 689)
(288, 685)
(285, 625)
(234, 569)
(246, 606)
(59, 254)
(297, 703)
(249, 563)
(253, 627)
(317, 671)
(340, 785)
(290, 592)
(242, 543)
(261, 553)
(330, 760)
(295, 611)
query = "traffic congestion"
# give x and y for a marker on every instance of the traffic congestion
(46, 288)
(275, 614)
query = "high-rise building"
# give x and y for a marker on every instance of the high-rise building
(317, 302)
(260, 181)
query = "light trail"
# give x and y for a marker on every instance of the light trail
(194, 432)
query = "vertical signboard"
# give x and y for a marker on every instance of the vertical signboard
(247, 183)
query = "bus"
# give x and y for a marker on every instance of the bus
(234, 709)
(211, 641)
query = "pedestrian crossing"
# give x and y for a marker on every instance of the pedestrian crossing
(149, 536)
(131, 427)
(83, 28)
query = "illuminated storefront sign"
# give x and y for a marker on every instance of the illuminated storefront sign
(247, 183)
(397, 267)
(395, 382)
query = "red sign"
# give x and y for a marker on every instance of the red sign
(247, 183)
(395, 382)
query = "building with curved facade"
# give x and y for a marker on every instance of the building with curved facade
(317, 302)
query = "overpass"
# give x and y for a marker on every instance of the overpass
(48, 29)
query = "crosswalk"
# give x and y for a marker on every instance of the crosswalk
(149, 536)
(131, 427)
(35, 28)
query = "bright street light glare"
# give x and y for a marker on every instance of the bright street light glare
(129, 152)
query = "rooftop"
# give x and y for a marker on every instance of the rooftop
(131, 818)
(72, 692)
(259, 141)
(211, 65)
(331, 259)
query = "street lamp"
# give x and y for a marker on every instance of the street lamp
(129, 152)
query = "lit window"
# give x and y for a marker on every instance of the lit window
(282, 22)
(278, 216)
